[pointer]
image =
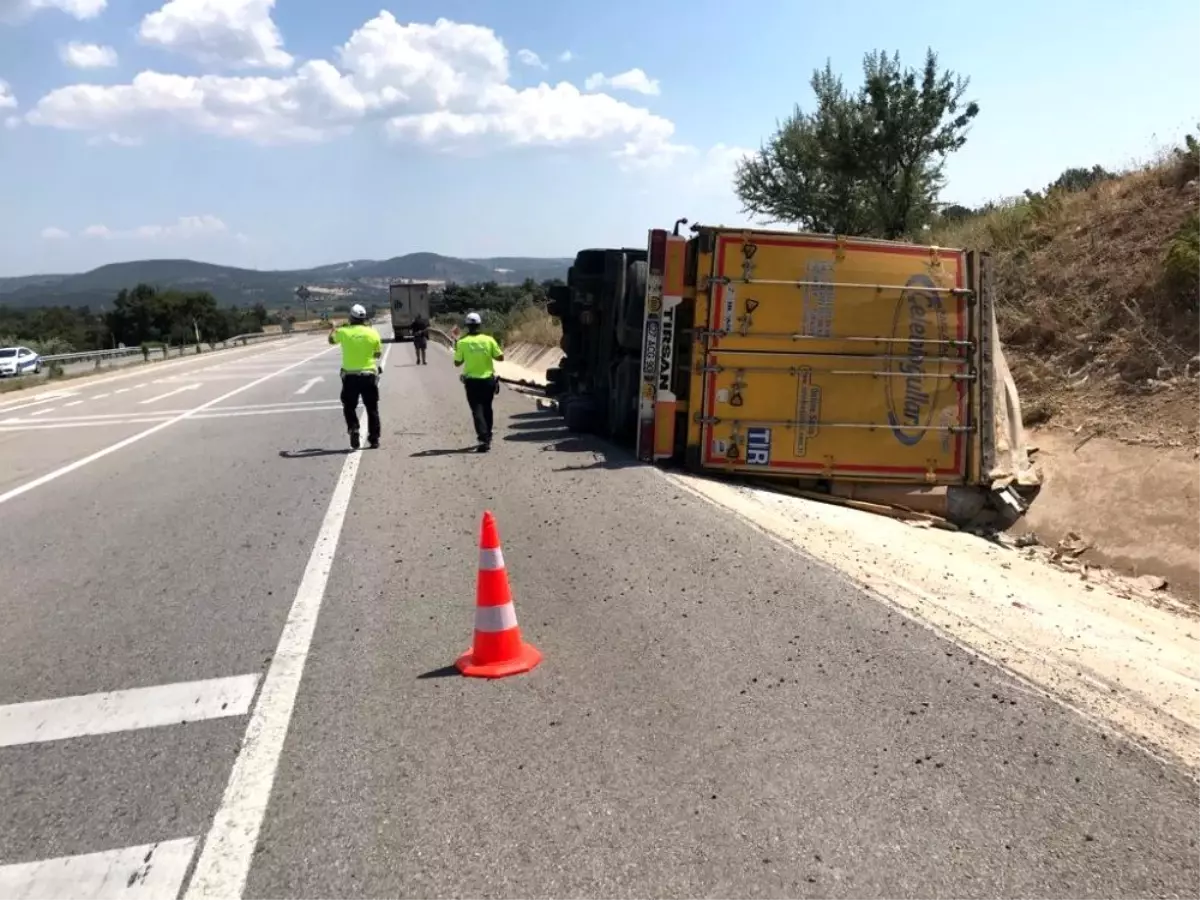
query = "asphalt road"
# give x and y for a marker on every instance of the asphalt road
(715, 716)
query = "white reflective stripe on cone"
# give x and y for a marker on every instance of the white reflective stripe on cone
(491, 560)
(495, 618)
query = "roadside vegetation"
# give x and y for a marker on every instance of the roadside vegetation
(510, 313)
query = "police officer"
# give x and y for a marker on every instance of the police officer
(362, 365)
(420, 336)
(477, 353)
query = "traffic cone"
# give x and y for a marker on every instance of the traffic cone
(497, 650)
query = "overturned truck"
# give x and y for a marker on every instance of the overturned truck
(866, 371)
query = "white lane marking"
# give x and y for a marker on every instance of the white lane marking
(42, 412)
(150, 870)
(98, 397)
(159, 413)
(122, 390)
(304, 388)
(228, 853)
(129, 710)
(7, 426)
(189, 387)
(252, 352)
(44, 398)
(72, 403)
(132, 439)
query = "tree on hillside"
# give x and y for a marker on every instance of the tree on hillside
(868, 163)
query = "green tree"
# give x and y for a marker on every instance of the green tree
(868, 163)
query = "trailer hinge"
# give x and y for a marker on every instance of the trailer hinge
(735, 389)
(701, 419)
(747, 318)
(827, 466)
(931, 470)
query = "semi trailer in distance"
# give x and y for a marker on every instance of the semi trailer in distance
(862, 369)
(407, 299)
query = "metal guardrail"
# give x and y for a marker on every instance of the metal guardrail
(148, 352)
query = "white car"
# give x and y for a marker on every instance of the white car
(18, 361)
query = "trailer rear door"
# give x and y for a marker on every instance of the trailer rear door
(825, 358)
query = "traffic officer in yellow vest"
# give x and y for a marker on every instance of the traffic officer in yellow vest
(476, 353)
(362, 366)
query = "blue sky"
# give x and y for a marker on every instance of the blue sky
(300, 132)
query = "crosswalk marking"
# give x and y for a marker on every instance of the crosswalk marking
(128, 710)
(145, 871)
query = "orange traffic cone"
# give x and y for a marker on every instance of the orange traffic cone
(497, 649)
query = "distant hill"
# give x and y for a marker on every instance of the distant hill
(365, 279)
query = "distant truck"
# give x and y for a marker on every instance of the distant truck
(868, 370)
(408, 299)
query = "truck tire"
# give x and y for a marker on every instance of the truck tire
(629, 318)
(580, 415)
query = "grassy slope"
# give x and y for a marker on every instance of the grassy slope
(1097, 302)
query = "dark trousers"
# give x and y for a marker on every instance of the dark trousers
(419, 344)
(480, 394)
(354, 387)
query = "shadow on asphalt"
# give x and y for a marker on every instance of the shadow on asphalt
(443, 672)
(546, 427)
(312, 452)
(449, 452)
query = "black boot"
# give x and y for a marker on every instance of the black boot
(354, 442)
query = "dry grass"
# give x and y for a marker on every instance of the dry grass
(533, 325)
(1097, 309)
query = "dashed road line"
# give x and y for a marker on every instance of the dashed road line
(188, 387)
(129, 710)
(72, 403)
(149, 870)
(133, 439)
(42, 412)
(224, 863)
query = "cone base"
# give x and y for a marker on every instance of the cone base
(528, 657)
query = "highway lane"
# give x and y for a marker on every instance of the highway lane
(716, 715)
(46, 429)
(170, 560)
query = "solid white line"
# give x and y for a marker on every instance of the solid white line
(147, 871)
(149, 418)
(89, 381)
(132, 439)
(128, 710)
(157, 414)
(44, 398)
(304, 388)
(190, 387)
(224, 863)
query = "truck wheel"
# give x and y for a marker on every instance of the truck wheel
(580, 416)
(632, 312)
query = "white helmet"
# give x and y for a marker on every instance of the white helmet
(358, 311)
(474, 319)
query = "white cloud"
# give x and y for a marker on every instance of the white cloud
(115, 138)
(12, 122)
(566, 56)
(183, 228)
(87, 56)
(235, 33)
(634, 80)
(7, 100)
(718, 166)
(54, 234)
(542, 116)
(529, 58)
(440, 84)
(13, 11)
